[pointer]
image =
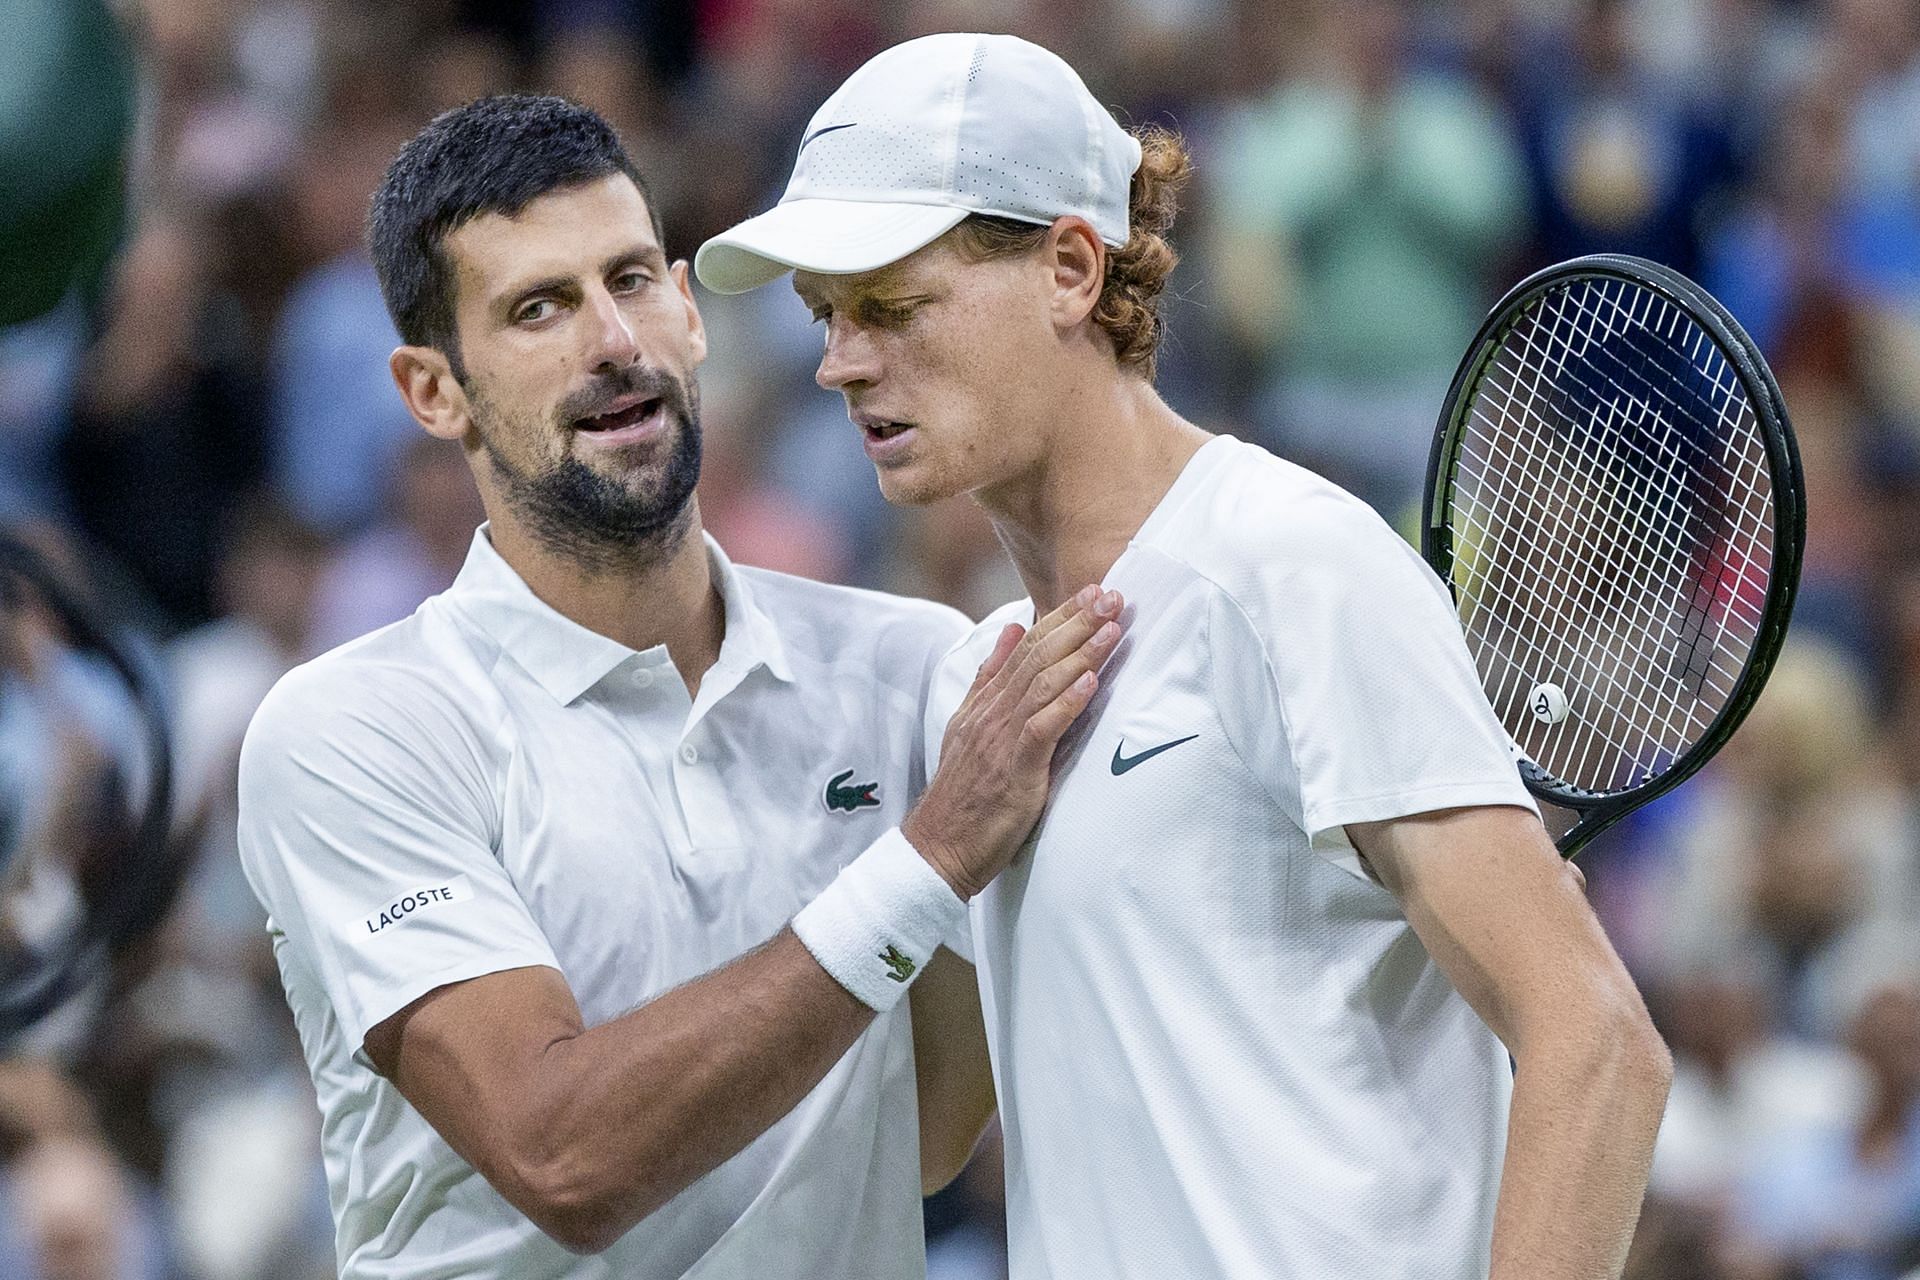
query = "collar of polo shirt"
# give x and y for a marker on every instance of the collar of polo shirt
(567, 659)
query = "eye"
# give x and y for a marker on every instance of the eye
(886, 315)
(631, 281)
(533, 310)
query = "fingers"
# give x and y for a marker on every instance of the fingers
(1044, 727)
(1003, 648)
(1053, 680)
(1060, 693)
(1066, 630)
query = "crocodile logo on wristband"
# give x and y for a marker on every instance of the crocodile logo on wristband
(900, 965)
(843, 796)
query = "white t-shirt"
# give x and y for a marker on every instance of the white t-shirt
(1220, 1049)
(488, 785)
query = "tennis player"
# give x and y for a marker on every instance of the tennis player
(1252, 992)
(530, 855)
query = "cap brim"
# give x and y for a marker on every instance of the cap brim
(836, 237)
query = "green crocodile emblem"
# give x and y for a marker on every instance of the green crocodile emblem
(899, 963)
(844, 797)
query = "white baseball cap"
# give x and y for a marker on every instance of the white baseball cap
(924, 134)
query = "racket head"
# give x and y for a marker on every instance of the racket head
(1614, 455)
(86, 867)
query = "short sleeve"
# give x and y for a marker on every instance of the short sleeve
(366, 830)
(1345, 682)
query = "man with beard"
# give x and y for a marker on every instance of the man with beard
(530, 855)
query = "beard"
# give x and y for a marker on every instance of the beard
(604, 522)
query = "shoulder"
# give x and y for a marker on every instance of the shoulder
(970, 648)
(1267, 532)
(824, 624)
(961, 659)
(399, 697)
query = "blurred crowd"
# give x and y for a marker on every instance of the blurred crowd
(220, 446)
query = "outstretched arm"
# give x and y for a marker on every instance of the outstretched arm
(1505, 918)
(589, 1130)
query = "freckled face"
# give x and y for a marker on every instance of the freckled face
(579, 343)
(941, 361)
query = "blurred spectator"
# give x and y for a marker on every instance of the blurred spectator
(1360, 210)
(37, 364)
(1740, 1086)
(166, 425)
(1843, 1203)
(384, 574)
(267, 576)
(1621, 160)
(68, 1209)
(1779, 849)
(339, 427)
(1777, 247)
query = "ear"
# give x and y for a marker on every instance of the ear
(696, 328)
(1079, 263)
(432, 394)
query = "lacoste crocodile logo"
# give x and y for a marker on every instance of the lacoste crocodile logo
(900, 965)
(844, 797)
(1122, 763)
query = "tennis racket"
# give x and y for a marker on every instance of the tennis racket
(76, 896)
(1615, 501)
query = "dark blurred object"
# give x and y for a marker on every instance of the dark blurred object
(85, 780)
(1621, 157)
(66, 112)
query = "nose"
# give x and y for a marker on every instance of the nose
(848, 360)
(615, 346)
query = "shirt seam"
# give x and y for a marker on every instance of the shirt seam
(1273, 686)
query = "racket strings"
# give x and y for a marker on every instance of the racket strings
(1667, 561)
(1612, 509)
(1639, 545)
(1634, 546)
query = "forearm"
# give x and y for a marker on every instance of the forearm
(1586, 1108)
(952, 1069)
(608, 1123)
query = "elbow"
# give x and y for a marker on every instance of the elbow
(1658, 1059)
(1606, 1042)
(570, 1215)
(572, 1204)
(1645, 1056)
(940, 1167)
(1632, 1049)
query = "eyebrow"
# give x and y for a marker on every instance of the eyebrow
(652, 254)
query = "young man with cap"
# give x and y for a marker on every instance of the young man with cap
(530, 854)
(1252, 990)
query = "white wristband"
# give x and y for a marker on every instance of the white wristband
(876, 926)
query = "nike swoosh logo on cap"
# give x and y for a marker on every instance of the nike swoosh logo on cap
(823, 129)
(1122, 763)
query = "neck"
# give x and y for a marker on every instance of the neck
(1112, 453)
(664, 594)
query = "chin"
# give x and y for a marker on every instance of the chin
(912, 487)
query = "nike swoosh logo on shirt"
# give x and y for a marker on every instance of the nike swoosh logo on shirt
(1122, 763)
(825, 129)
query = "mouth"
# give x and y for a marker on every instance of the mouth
(628, 420)
(877, 432)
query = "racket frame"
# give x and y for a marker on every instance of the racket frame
(1599, 810)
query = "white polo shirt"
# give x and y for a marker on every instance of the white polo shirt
(488, 785)
(1220, 1049)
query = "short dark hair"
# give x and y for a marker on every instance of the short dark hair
(494, 155)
